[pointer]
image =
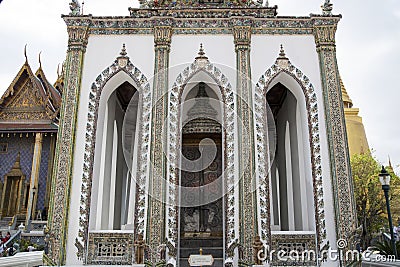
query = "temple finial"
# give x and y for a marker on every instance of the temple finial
(40, 61)
(123, 59)
(26, 57)
(282, 61)
(327, 8)
(201, 54)
(75, 8)
(201, 51)
(282, 54)
(17, 163)
(123, 51)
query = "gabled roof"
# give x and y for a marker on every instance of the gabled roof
(59, 84)
(30, 102)
(53, 93)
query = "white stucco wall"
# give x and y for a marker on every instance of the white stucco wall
(101, 53)
(103, 50)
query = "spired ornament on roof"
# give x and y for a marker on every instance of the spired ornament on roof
(75, 8)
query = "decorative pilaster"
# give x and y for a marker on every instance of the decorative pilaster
(246, 169)
(53, 139)
(155, 232)
(77, 28)
(342, 184)
(34, 181)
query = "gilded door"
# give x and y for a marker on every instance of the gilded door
(12, 196)
(205, 219)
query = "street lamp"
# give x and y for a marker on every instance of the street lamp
(384, 178)
(33, 201)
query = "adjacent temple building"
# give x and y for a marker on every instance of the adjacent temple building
(356, 136)
(184, 125)
(29, 114)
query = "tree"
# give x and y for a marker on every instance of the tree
(370, 200)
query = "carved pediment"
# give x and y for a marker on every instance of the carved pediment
(25, 99)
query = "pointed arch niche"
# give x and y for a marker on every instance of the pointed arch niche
(290, 174)
(110, 188)
(200, 79)
(294, 185)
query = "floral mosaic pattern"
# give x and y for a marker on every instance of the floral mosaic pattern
(246, 166)
(61, 180)
(156, 218)
(202, 21)
(110, 249)
(301, 243)
(341, 175)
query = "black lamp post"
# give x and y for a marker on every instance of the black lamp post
(33, 202)
(384, 178)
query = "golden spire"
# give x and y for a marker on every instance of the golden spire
(345, 97)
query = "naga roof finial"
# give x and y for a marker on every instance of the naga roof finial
(26, 57)
(40, 61)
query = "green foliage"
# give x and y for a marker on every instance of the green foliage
(24, 245)
(385, 247)
(370, 200)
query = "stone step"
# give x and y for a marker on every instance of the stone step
(201, 242)
(217, 252)
(218, 262)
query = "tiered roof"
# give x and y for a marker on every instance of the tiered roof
(31, 102)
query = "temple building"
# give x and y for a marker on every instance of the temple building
(356, 136)
(29, 113)
(212, 125)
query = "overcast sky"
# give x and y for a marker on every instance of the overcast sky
(368, 49)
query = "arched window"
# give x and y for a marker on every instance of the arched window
(115, 149)
(291, 178)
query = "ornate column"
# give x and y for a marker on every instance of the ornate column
(155, 231)
(53, 139)
(34, 181)
(77, 28)
(342, 184)
(246, 168)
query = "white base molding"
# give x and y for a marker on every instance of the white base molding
(132, 265)
(23, 259)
